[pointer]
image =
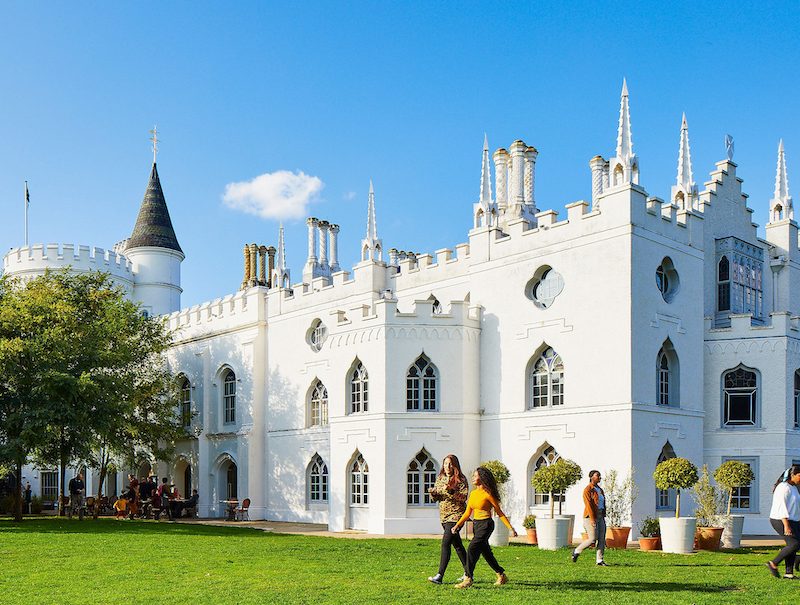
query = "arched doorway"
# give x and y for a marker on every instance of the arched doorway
(183, 477)
(358, 491)
(228, 488)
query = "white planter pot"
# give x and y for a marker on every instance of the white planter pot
(552, 534)
(732, 531)
(677, 534)
(499, 536)
(571, 531)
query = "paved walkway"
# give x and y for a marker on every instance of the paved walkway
(314, 529)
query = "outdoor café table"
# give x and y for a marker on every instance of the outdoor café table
(231, 507)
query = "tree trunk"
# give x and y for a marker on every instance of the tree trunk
(677, 503)
(62, 474)
(730, 500)
(552, 506)
(101, 478)
(18, 499)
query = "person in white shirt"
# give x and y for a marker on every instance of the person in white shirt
(784, 516)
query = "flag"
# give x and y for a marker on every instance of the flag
(27, 195)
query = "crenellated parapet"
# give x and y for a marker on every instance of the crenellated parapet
(34, 260)
(241, 310)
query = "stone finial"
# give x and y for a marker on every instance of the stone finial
(780, 206)
(624, 137)
(486, 175)
(684, 157)
(371, 245)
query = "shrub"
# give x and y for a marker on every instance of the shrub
(707, 498)
(36, 505)
(498, 469)
(7, 504)
(619, 498)
(649, 527)
(677, 474)
(733, 474)
(557, 477)
(529, 522)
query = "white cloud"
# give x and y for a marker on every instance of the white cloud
(349, 195)
(274, 195)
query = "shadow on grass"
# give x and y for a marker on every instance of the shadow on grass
(59, 525)
(633, 586)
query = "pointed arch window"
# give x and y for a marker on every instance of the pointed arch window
(546, 380)
(186, 403)
(665, 498)
(420, 477)
(318, 405)
(317, 480)
(229, 396)
(546, 457)
(359, 486)
(724, 284)
(667, 369)
(422, 386)
(740, 398)
(359, 389)
(797, 399)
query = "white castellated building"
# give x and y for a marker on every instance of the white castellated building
(631, 330)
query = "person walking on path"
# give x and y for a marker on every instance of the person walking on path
(450, 491)
(784, 516)
(76, 489)
(594, 518)
(28, 497)
(480, 503)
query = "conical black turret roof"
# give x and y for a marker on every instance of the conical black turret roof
(153, 225)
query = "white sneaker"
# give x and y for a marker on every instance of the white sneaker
(437, 579)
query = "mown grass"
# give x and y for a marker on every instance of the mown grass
(58, 561)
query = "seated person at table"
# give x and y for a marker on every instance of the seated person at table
(186, 505)
(155, 505)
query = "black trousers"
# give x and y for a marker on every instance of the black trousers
(450, 539)
(788, 553)
(483, 528)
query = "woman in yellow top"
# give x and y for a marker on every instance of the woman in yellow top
(482, 500)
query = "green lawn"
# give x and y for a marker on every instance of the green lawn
(52, 560)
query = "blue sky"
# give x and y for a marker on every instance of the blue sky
(400, 93)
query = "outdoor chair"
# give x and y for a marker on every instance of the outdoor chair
(242, 513)
(191, 512)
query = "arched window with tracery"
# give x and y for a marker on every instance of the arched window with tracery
(359, 389)
(318, 405)
(420, 477)
(740, 397)
(229, 397)
(359, 486)
(546, 380)
(797, 399)
(545, 457)
(317, 480)
(421, 386)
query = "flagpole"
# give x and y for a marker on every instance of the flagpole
(26, 213)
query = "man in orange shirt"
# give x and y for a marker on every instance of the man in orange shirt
(594, 518)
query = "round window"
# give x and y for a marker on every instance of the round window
(316, 335)
(545, 286)
(667, 280)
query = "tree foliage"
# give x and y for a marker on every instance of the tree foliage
(555, 478)
(620, 496)
(677, 474)
(732, 474)
(84, 377)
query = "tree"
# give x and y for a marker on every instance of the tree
(555, 478)
(677, 474)
(732, 474)
(84, 372)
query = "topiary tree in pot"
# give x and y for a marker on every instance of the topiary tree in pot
(677, 535)
(501, 474)
(731, 475)
(558, 477)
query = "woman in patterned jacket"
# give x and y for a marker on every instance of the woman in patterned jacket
(450, 491)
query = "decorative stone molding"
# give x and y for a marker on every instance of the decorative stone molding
(529, 431)
(667, 426)
(436, 431)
